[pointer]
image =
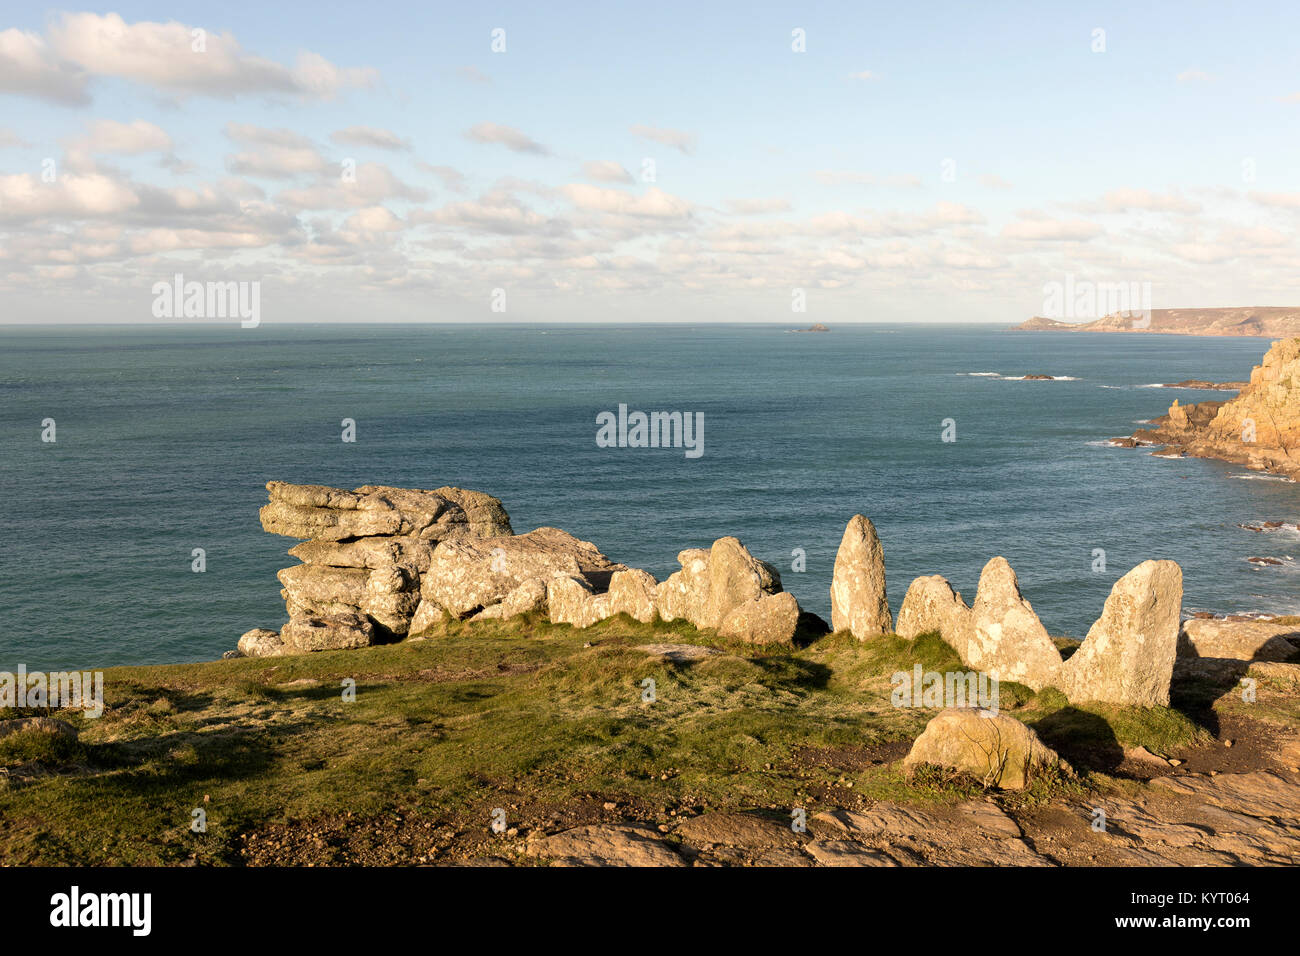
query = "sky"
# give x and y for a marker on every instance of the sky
(584, 162)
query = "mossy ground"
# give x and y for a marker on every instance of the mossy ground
(546, 722)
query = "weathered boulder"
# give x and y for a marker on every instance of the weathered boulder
(770, 619)
(332, 514)
(313, 585)
(1238, 640)
(931, 605)
(529, 596)
(571, 600)
(427, 614)
(682, 593)
(858, 601)
(998, 750)
(1007, 640)
(389, 596)
(327, 633)
(1128, 655)
(735, 577)
(712, 583)
(632, 592)
(380, 552)
(260, 642)
(381, 562)
(469, 574)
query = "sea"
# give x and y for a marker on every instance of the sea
(165, 436)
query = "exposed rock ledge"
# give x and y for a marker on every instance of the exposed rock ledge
(383, 563)
(1260, 428)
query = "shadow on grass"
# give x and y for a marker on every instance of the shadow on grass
(1084, 739)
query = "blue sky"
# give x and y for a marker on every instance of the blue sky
(1169, 158)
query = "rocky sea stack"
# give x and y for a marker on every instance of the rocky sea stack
(1259, 428)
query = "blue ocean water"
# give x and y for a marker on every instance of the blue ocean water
(167, 435)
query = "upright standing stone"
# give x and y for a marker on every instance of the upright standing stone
(1128, 655)
(858, 602)
(1007, 640)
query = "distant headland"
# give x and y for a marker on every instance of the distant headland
(1265, 321)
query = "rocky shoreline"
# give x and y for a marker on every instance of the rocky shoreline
(1259, 428)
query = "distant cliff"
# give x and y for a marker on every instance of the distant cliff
(1259, 428)
(1266, 321)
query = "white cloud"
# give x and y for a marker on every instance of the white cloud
(1122, 200)
(263, 136)
(843, 177)
(496, 213)
(170, 57)
(1194, 76)
(757, 207)
(1052, 230)
(474, 75)
(507, 136)
(1278, 200)
(70, 196)
(676, 138)
(864, 75)
(374, 183)
(451, 178)
(30, 68)
(9, 138)
(654, 203)
(276, 162)
(138, 136)
(373, 219)
(277, 153)
(371, 136)
(606, 171)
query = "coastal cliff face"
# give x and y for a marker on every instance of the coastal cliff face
(1267, 322)
(1260, 428)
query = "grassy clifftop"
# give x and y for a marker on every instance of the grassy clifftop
(545, 722)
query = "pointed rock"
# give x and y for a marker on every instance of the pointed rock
(1007, 639)
(1128, 655)
(735, 577)
(858, 602)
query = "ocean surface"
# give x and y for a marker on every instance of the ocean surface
(166, 437)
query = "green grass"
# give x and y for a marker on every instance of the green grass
(536, 717)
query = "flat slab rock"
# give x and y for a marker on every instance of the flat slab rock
(1230, 819)
(620, 845)
(1193, 820)
(972, 833)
